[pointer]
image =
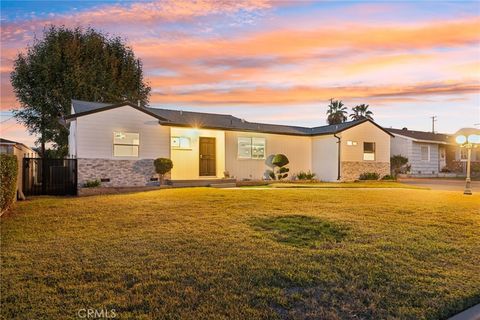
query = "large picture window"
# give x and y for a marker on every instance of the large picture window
(125, 144)
(251, 148)
(369, 151)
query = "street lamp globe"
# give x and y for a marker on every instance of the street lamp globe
(461, 139)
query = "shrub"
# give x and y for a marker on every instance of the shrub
(369, 176)
(91, 184)
(388, 177)
(399, 164)
(302, 175)
(279, 170)
(8, 180)
(162, 167)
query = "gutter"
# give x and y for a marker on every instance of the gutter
(338, 165)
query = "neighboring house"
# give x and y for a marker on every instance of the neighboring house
(20, 151)
(458, 162)
(431, 153)
(117, 144)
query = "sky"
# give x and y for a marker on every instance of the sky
(280, 61)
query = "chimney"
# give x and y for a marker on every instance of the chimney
(181, 112)
(138, 103)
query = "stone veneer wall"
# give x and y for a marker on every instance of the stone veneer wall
(122, 173)
(351, 170)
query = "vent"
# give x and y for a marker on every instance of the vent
(153, 179)
(105, 180)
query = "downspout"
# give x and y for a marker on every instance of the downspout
(338, 142)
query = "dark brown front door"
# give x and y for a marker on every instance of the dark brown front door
(207, 157)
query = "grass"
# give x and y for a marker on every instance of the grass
(243, 254)
(358, 184)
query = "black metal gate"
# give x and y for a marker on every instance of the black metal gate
(49, 176)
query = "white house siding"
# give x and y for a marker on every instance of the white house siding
(186, 164)
(94, 146)
(72, 139)
(298, 149)
(401, 146)
(422, 167)
(352, 162)
(325, 157)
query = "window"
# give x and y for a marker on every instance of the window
(181, 143)
(463, 154)
(351, 143)
(425, 153)
(369, 151)
(251, 148)
(125, 144)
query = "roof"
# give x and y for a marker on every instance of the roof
(422, 135)
(214, 120)
(6, 141)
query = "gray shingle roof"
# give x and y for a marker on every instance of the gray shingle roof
(217, 121)
(421, 135)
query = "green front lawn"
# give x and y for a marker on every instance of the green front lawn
(243, 254)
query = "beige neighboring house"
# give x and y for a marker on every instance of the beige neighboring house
(20, 150)
(117, 143)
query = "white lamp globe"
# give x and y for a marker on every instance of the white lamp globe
(461, 139)
(473, 138)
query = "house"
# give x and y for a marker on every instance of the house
(20, 151)
(430, 153)
(117, 143)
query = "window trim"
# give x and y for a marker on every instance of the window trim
(125, 144)
(179, 147)
(374, 151)
(428, 153)
(251, 148)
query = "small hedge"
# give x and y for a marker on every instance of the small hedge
(8, 180)
(369, 176)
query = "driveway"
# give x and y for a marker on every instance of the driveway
(441, 184)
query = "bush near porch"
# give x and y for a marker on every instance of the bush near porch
(202, 253)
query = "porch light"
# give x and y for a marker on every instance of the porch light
(469, 143)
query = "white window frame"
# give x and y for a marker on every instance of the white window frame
(251, 157)
(126, 144)
(428, 153)
(180, 140)
(369, 153)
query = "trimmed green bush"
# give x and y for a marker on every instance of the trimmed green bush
(8, 180)
(278, 164)
(388, 177)
(369, 176)
(162, 167)
(92, 184)
(302, 175)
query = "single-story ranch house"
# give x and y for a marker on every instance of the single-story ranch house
(117, 143)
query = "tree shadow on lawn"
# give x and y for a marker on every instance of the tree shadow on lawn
(299, 230)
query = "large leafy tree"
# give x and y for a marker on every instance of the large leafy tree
(70, 64)
(337, 112)
(361, 111)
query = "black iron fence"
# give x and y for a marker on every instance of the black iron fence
(49, 176)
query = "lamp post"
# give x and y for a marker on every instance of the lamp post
(468, 142)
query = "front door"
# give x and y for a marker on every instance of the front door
(207, 157)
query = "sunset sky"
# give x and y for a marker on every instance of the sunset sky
(280, 61)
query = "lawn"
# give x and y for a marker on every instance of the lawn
(243, 254)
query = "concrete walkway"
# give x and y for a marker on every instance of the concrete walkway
(472, 313)
(441, 184)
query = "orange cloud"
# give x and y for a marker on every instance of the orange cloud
(265, 95)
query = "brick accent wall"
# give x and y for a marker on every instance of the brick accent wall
(122, 173)
(351, 170)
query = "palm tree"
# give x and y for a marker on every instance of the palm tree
(361, 111)
(337, 112)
